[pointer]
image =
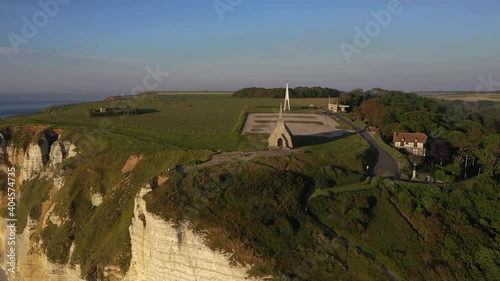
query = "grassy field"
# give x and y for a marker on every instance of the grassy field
(210, 120)
(260, 209)
(472, 96)
(178, 93)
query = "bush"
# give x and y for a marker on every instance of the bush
(440, 175)
(404, 176)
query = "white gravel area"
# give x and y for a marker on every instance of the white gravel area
(301, 124)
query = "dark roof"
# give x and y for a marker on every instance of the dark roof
(410, 137)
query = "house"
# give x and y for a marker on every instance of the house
(336, 107)
(372, 129)
(413, 143)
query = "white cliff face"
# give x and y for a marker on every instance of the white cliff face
(96, 199)
(61, 150)
(57, 153)
(162, 251)
(33, 265)
(70, 149)
(28, 162)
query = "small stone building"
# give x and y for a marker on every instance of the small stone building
(336, 107)
(281, 137)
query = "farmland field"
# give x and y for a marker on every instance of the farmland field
(192, 112)
(472, 96)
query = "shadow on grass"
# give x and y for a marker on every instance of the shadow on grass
(147, 111)
(301, 141)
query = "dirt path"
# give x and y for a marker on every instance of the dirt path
(217, 159)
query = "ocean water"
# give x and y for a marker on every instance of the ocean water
(14, 104)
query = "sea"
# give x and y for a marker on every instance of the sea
(15, 104)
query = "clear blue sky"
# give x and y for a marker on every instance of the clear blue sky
(97, 46)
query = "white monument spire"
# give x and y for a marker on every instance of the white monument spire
(287, 99)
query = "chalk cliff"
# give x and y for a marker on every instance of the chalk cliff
(33, 265)
(164, 251)
(28, 162)
(160, 249)
(35, 159)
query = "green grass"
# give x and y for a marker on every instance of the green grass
(259, 208)
(100, 234)
(178, 93)
(196, 120)
(342, 124)
(195, 112)
(187, 119)
(367, 184)
(417, 230)
(240, 124)
(35, 192)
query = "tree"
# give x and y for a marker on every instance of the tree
(458, 139)
(489, 156)
(415, 159)
(357, 91)
(373, 110)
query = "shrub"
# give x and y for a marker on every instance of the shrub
(440, 175)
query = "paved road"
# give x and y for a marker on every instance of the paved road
(386, 165)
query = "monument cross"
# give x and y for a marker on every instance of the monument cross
(287, 99)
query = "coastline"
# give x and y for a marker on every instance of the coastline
(18, 104)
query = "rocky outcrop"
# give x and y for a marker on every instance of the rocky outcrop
(164, 251)
(3, 146)
(30, 160)
(33, 265)
(40, 157)
(96, 199)
(61, 150)
(161, 250)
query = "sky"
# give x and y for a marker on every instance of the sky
(97, 47)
